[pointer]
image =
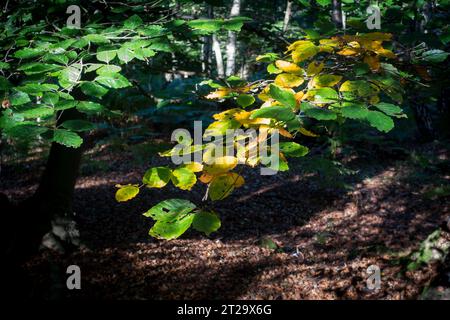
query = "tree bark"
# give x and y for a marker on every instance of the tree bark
(336, 13)
(231, 44)
(218, 56)
(207, 47)
(287, 15)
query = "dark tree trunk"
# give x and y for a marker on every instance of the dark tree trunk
(336, 13)
(46, 218)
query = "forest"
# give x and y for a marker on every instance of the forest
(225, 150)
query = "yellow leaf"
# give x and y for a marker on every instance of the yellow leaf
(299, 43)
(126, 193)
(243, 118)
(221, 165)
(284, 132)
(287, 80)
(193, 166)
(183, 178)
(227, 114)
(348, 52)
(386, 53)
(374, 99)
(206, 177)
(299, 96)
(324, 48)
(334, 42)
(220, 187)
(305, 51)
(372, 62)
(219, 93)
(354, 44)
(288, 67)
(376, 36)
(307, 133)
(238, 179)
(325, 80)
(314, 68)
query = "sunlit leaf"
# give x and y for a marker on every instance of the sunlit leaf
(287, 80)
(183, 178)
(126, 193)
(157, 177)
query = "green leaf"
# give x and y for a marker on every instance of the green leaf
(93, 89)
(25, 131)
(267, 57)
(126, 193)
(69, 76)
(106, 56)
(293, 149)
(133, 22)
(96, 38)
(324, 3)
(389, 109)
(235, 24)
(208, 25)
(272, 69)
(115, 81)
(36, 68)
(18, 98)
(143, 53)
(206, 222)
(245, 100)
(380, 121)
(4, 65)
(183, 178)
(50, 98)
(67, 138)
(283, 96)
(89, 107)
(78, 125)
(37, 88)
(65, 104)
(173, 229)
(168, 210)
(268, 243)
(108, 69)
(434, 56)
(38, 112)
(354, 111)
(125, 54)
(275, 112)
(157, 177)
(326, 80)
(221, 187)
(28, 53)
(317, 112)
(324, 95)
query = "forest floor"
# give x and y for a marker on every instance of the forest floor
(287, 236)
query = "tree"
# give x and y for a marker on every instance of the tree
(231, 44)
(55, 83)
(330, 80)
(287, 15)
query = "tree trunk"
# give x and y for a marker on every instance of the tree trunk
(207, 47)
(218, 56)
(336, 13)
(46, 218)
(423, 111)
(287, 15)
(231, 44)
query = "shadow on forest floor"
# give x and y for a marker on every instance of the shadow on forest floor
(326, 237)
